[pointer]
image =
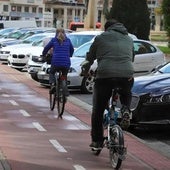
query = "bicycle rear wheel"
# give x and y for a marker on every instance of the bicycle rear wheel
(52, 100)
(61, 100)
(117, 149)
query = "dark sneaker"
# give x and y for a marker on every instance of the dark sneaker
(96, 145)
(125, 122)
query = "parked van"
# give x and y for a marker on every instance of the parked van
(17, 24)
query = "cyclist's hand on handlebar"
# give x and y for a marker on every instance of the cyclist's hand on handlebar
(85, 66)
(41, 58)
(84, 73)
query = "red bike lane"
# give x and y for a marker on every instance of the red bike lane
(139, 155)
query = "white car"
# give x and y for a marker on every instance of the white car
(146, 59)
(81, 37)
(18, 58)
(77, 39)
(28, 42)
(35, 61)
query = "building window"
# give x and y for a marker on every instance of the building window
(40, 10)
(19, 8)
(5, 8)
(47, 9)
(26, 9)
(13, 8)
(62, 12)
(69, 12)
(34, 9)
(56, 11)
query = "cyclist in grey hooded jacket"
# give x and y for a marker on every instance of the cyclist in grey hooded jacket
(113, 50)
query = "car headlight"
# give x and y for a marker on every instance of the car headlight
(37, 58)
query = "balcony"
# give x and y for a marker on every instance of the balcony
(26, 2)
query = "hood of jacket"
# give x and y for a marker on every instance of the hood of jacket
(119, 27)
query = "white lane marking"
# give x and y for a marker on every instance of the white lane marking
(79, 167)
(24, 113)
(13, 102)
(78, 125)
(56, 144)
(5, 95)
(38, 126)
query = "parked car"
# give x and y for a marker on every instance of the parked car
(14, 35)
(81, 37)
(19, 58)
(145, 62)
(28, 42)
(29, 33)
(77, 38)
(151, 97)
(35, 60)
(5, 31)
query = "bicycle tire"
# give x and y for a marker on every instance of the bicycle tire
(116, 150)
(52, 100)
(61, 100)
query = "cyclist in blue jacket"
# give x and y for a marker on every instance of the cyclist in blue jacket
(60, 61)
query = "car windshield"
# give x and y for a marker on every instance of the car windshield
(5, 31)
(32, 39)
(165, 69)
(78, 40)
(15, 34)
(81, 52)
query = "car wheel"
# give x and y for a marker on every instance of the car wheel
(87, 84)
(34, 77)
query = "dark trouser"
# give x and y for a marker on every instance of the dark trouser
(64, 71)
(101, 95)
(55, 69)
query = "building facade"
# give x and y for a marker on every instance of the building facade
(59, 13)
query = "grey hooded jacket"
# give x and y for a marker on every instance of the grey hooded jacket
(113, 50)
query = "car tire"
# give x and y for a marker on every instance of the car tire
(87, 84)
(34, 77)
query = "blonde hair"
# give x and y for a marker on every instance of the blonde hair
(60, 33)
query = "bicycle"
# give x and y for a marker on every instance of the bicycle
(114, 138)
(58, 95)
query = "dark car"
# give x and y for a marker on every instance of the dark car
(151, 97)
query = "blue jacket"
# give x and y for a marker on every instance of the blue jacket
(61, 52)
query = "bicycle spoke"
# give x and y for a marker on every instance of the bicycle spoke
(117, 146)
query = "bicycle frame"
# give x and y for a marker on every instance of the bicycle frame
(114, 140)
(58, 95)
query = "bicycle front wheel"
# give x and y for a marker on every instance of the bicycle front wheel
(117, 149)
(52, 100)
(61, 100)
